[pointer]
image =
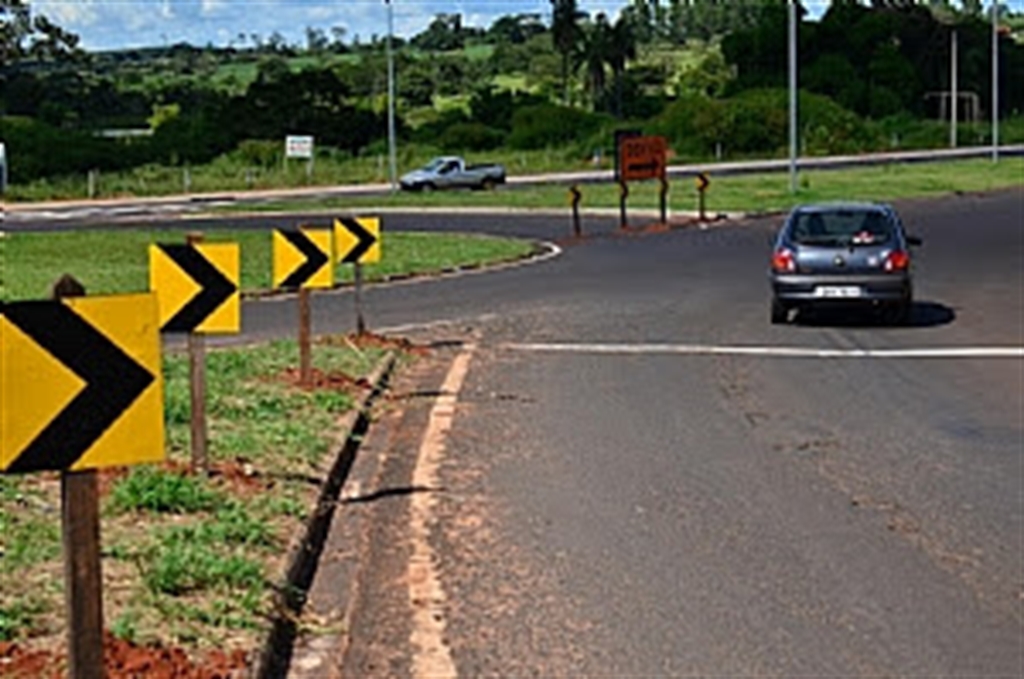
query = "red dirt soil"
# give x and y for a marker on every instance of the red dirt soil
(124, 660)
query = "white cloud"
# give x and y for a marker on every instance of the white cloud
(209, 7)
(68, 14)
(111, 24)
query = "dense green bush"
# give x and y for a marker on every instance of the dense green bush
(828, 129)
(757, 122)
(36, 149)
(693, 125)
(548, 125)
(260, 153)
(470, 137)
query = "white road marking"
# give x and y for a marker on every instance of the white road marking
(431, 655)
(774, 352)
(440, 323)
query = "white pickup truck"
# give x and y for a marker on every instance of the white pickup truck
(452, 172)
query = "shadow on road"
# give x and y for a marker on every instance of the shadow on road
(923, 315)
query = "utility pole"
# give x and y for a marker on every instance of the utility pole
(995, 81)
(392, 160)
(954, 116)
(793, 142)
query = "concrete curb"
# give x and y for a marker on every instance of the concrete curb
(273, 655)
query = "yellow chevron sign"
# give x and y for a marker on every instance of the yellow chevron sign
(197, 287)
(357, 240)
(80, 384)
(303, 258)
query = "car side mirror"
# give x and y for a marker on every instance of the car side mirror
(914, 240)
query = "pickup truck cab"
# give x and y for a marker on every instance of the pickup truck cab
(452, 172)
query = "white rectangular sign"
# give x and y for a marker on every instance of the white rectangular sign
(298, 147)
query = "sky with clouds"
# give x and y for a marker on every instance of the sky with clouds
(115, 24)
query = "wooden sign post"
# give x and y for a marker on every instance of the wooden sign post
(357, 277)
(702, 183)
(197, 387)
(305, 339)
(574, 199)
(83, 574)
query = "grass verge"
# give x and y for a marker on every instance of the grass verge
(192, 561)
(736, 193)
(117, 261)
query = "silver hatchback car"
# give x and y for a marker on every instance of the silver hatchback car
(842, 255)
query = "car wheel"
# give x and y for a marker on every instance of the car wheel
(780, 314)
(487, 185)
(427, 188)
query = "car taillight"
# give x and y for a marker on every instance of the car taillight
(897, 260)
(783, 261)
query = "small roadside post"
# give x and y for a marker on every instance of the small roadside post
(663, 198)
(623, 199)
(702, 182)
(574, 200)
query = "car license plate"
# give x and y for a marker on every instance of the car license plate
(838, 292)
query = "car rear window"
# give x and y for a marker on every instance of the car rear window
(840, 227)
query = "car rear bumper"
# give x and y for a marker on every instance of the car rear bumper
(810, 289)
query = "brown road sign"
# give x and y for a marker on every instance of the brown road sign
(642, 158)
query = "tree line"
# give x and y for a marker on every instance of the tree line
(584, 75)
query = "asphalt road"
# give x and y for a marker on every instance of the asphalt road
(615, 499)
(637, 481)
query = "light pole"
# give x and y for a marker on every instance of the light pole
(392, 160)
(792, 96)
(995, 81)
(954, 116)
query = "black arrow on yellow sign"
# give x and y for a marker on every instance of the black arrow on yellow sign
(215, 288)
(358, 252)
(315, 258)
(113, 381)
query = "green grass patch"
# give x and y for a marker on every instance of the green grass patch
(18, 616)
(35, 260)
(152, 489)
(879, 183)
(191, 559)
(27, 539)
(746, 193)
